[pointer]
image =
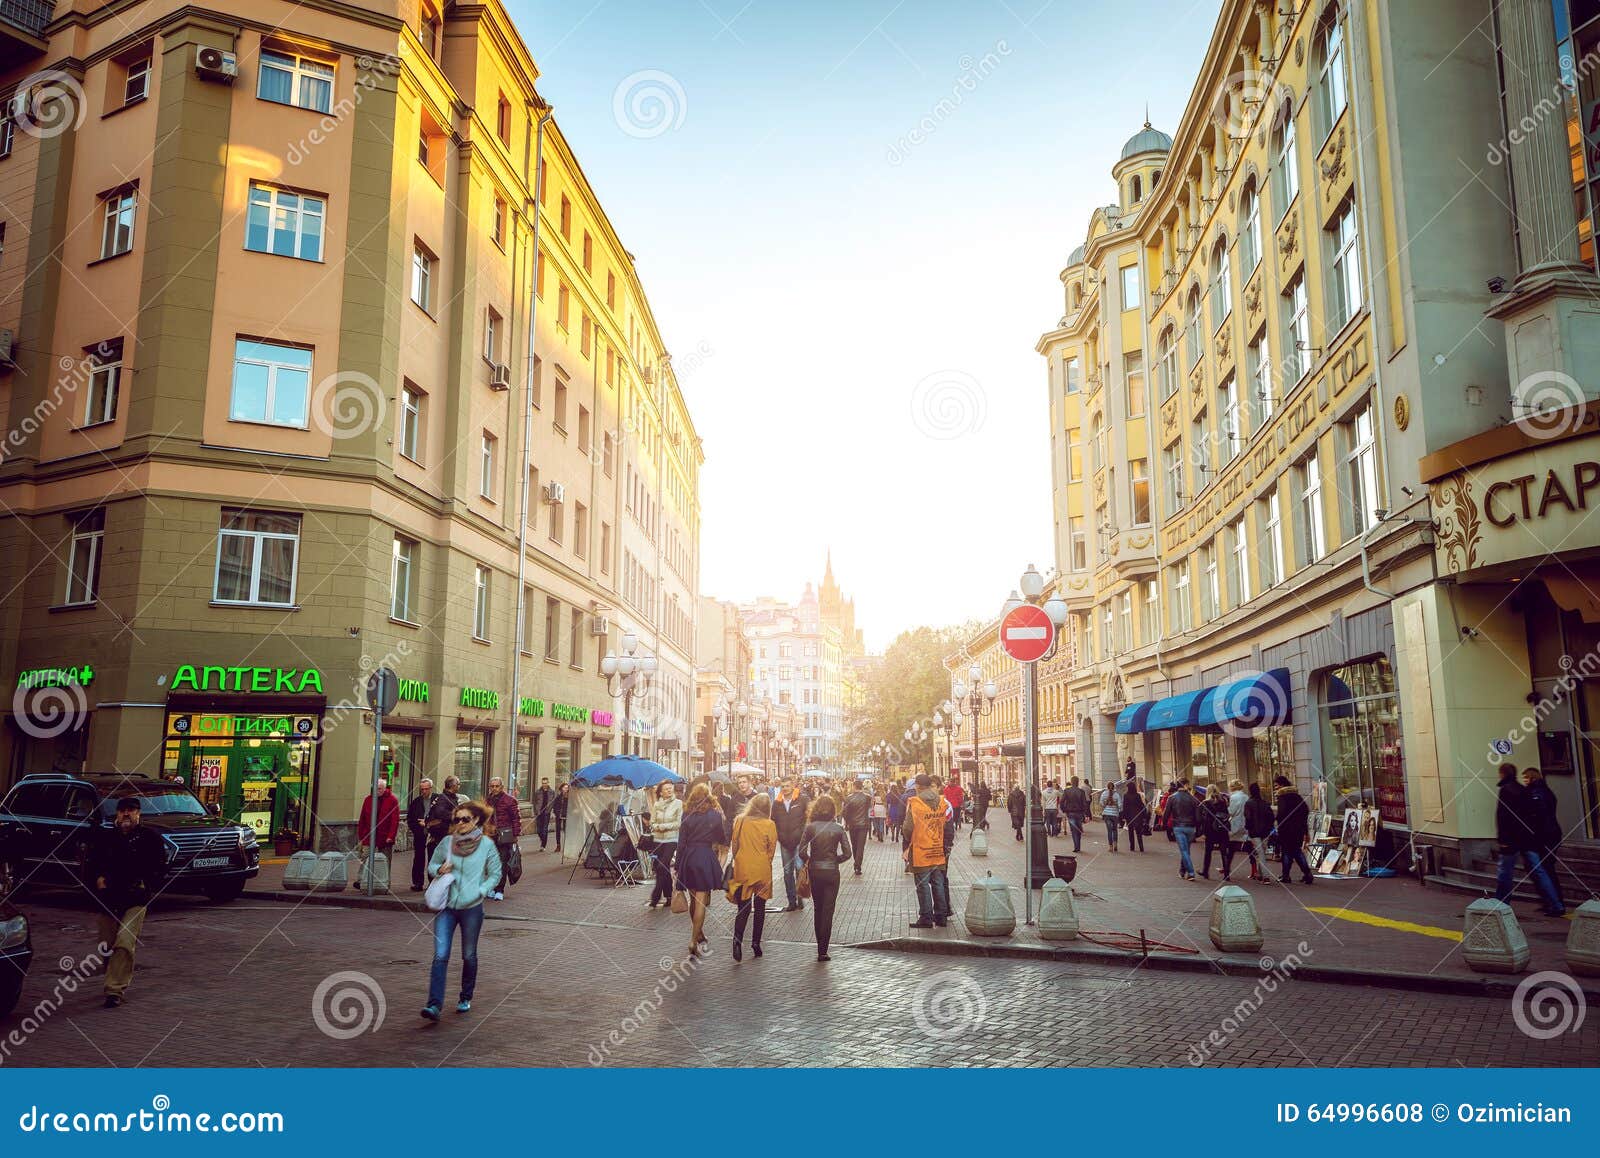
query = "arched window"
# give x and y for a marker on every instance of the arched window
(1097, 443)
(1137, 188)
(1155, 179)
(1249, 230)
(1077, 295)
(1285, 162)
(1221, 284)
(1329, 57)
(1167, 364)
(1192, 326)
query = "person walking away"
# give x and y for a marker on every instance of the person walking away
(1238, 836)
(1547, 825)
(1164, 822)
(880, 816)
(127, 863)
(924, 832)
(505, 821)
(699, 858)
(1052, 809)
(1258, 822)
(417, 824)
(388, 805)
(982, 796)
(897, 805)
(1135, 817)
(1516, 827)
(1017, 806)
(1182, 815)
(755, 839)
(474, 866)
(543, 805)
(666, 816)
(1214, 824)
(559, 811)
(1294, 817)
(1111, 813)
(824, 846)
(957, 796)
(789, 815)
(1074, 803)
(440, 812)
(857, 817)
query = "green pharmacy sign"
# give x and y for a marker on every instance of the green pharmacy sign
(56, 677)
(283, 681)
(479, 698)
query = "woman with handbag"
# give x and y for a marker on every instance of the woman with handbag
(823, 848)
(471, 866)
(666, 815)
(1111, 812)
(699, 859)
(755, 840)
(1136, 817)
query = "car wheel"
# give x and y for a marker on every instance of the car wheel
(223, 893)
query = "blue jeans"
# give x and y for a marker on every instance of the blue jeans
(1075, 823)
(444, 929)
(791, 872)
(1111, 830)
(1541, 879)
(1184, 835)
(933, 893)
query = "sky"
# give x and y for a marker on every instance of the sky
(850, 219)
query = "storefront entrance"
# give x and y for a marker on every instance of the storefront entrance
(258, 768)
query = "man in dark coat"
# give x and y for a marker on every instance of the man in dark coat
(559, 810)
(1517, 828)
(1547, 824)
(981, 797)
(1074, 805)
(543, 808)
(127, 864)
(789, 814)
(417, 824)
(857, 816)
(440, 811)
(1294, 820)
(1017, 806)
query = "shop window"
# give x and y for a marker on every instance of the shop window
(256, 556)
(402, 576)
(1272, 755)
(290, 79)
(105, 380)
(287, 224)
(118, 210)
(271, 383)
(474, 757)
(83, 557)
(527, 773)
(1358, 713)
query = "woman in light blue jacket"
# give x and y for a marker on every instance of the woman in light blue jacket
(474, 868)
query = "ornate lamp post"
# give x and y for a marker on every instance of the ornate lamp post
(765, 730)
(1032, 587)
(944, 719)
(626, 674)
(978, 700)
(916, 736)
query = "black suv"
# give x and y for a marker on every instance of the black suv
(49, 820)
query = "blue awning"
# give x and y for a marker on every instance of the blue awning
(1256, 701)
(1130, 720)
(1175, 711)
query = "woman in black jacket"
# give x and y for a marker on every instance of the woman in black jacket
(1017, 805)
(1134, 814)
(1258, 826)
(823, 848)
(1214, 825)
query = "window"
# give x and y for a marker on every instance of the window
(256, 554)
(491, 336)
(1230, 436)
(480, 603)
(1167, 367)
(271, 383)
(1296, 329)
(1258, 365)
(8, 134)
(1125, 622)
(1285, 165)
(1172, 480)
(1272, 571)
(1238, 564)
(564, 307)
(1074, 376)
(1221, 285)
(486, 458)
(559, 410)
(552, 627)
(422, 265)
(1133, 366)
(1359, 717)
(566, 217)
(1200, 452)
(1249, 231)
(588, 252)
(1210, 589)
(1192, 327)
(411, 422)
(1308, 478)
(1079, 544)
(136, 82)
(611, 291)
(1074, 457)
(400, 579)
(105, 377)
(1139, 478)
(431, 31)
(1097, 444)
(502, 120)
(557, 516)
(575, 639)
(1344, 270)
(1361, 471)
(608, 454)
(586, 339)
(1329, 55)
(580, 530)
(583, 429)
(116, 235)
(1130, 287)
(83, 557)
(284, 223)
(1179, 611)
(500, 222)
(605, 548)
(288, 79)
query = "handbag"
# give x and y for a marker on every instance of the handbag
(513, 859)
(680, 899)
(802, 884)
(438, 895)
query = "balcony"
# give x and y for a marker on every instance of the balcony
(22, 25)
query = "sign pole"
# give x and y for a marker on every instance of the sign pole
(1029, 740)
(372, 833)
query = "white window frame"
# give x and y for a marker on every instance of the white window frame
(1239, 541)
(1133, 368)
(1312, 522)
(278, 202)
(8, 133)
(1139, 480)
(1077, 543)
(1332, 91)
(422, 265)
(120, 212)
(1221, 287)
(1180, 610)
(1172, 474)
(1344, 269)
(105, 382)
(1272, 569)
(1210, 580)
(258, 539)
(138, 70)
(402, 564)
(481, 589)
(273, 368)
(1250, 232)
(1297, 328)
(1361, 469)
(1074, 375)
(1125, 622)
(1130, 287)
(1169, 365)
(491, 336)
(487, 452)
(302, 70)
(1150, 611)
(411, 423)
(1231, 436)
(1192, 328)
(1285, 163)
(83, 558)
(1258, 365)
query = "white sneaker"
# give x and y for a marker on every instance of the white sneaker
(497, 896)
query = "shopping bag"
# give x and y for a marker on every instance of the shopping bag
(438, 894)
(513, 859)
(802, 884)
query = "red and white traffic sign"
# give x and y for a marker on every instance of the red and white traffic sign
(1026, 633)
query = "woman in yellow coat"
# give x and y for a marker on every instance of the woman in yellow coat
(755, 840)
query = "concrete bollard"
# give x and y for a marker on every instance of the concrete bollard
(989, 909)
(1058, 916)
(978, 842)
(377, 867)
(301, 871)
(333, 873)
(1492, 941)
(1235, 927)
(1583, 940)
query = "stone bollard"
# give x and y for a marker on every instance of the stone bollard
(1583, 940)
(1492, 941)
(989, 909)
(978, 842)
(1235, 928)
(377, 867)
(333, 873)
(301, 871)
(1058, 916)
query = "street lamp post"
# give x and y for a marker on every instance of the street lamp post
(916, 736)
(625, 674)
(978, 700)
(944, 719)
(1038, 859)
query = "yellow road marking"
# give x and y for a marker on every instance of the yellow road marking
(1361, 918)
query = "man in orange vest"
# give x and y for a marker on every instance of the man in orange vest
(927, 848)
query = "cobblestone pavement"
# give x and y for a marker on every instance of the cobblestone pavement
(271, 984)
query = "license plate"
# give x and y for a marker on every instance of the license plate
(212, 861)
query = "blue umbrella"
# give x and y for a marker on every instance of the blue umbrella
(632, 771)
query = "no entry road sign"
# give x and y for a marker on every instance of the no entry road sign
(1026, 633)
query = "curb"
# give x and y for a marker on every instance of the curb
(1496, 986)
(348, 899)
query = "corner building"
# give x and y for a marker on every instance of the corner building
(1289, 347)
(269, 278)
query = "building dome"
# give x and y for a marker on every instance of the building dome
(1075, 257)
(1147, 140)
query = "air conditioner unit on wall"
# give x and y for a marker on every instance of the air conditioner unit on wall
(216, 65)
(500, 377)
(555, 493)
(599, 625)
